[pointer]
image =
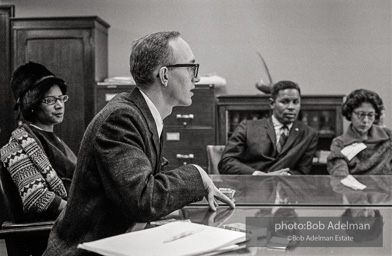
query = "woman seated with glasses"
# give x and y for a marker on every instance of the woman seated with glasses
(366, 147)
(40, 163)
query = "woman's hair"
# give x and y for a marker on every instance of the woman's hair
(149, 52)
(29, 83)
(359, 96)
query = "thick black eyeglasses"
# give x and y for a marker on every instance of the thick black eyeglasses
(51, 100)
(192, 67)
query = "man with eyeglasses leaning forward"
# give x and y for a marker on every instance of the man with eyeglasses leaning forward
(118, 179)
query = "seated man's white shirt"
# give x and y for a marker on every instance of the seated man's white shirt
(155, 114)
(278, 127)
(278, 132)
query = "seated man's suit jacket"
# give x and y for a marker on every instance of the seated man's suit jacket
(118, 179)
(253, 147)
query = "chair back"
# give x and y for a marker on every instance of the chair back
(11, 207)
(22, 237)
(214, 155)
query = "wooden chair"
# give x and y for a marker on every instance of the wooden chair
(21, 236)
(214, 155)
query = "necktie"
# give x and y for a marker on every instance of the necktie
(283, 138)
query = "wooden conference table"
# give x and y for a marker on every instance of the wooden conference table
(300, 196)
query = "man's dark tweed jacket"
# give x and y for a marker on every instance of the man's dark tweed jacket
(118, 180)
(253, 147)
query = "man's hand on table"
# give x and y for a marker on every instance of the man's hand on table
(212, 192)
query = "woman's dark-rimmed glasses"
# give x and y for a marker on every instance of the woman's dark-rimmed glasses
(51, 100)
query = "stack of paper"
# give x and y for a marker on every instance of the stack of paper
(212, 79)
(118, 80)
(172, 239)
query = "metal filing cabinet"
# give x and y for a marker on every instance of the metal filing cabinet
(188, 130)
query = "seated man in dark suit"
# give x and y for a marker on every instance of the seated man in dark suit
(278, 145)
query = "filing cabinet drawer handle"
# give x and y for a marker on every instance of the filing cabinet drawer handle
(190, 156)
(183, 157)
(190, 116)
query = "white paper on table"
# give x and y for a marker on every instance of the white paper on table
(351, 182)
(159, 241)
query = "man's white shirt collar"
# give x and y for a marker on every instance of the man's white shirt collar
(155, 113)
(278, 125)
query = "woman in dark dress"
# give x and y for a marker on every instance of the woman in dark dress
(40, 163)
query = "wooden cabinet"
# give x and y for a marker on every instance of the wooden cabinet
(7, 120)
(188, 130)
(322, 112)
(74, 49)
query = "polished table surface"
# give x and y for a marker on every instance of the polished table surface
(320, 196)
(224, 215)
(310, 190)
(300, 196)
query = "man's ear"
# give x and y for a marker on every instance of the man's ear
(271, 102)
(164, 76)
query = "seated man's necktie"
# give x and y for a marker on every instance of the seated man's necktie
(283, 138)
